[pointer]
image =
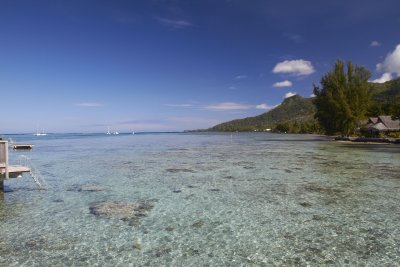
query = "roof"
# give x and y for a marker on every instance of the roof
(373, 120)
(375, 127)
(389, 123)
(382, 124)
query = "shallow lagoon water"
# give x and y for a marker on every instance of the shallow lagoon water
(243, 199)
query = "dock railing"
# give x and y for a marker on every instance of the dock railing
(4, 159)
(34, 171)
(25, 165)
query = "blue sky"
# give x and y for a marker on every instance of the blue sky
(164, 65)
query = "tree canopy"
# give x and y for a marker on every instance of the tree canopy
(293, 109)
(396, 108)
(343, 99)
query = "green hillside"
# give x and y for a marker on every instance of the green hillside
(293, 109)
(296, 113)
(386, 96)
(390, 88)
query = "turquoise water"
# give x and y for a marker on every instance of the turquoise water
(254, 199)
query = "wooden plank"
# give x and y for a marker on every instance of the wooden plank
(18, 169)
(13, 171)
(22, 146)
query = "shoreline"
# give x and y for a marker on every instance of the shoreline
(367, 140)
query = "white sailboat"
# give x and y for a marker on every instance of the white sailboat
(39, 133)
(108, 131)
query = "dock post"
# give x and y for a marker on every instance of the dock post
(3, 163)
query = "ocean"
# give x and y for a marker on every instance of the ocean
(202, 199)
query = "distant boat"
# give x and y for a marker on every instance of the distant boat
(39, 133)
(116, 133)
(133, 132)
(108, 131)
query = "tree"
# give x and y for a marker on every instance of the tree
(283, 127)
(395, 109)
(343, 99)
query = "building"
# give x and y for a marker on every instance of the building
(7, 171)
(382, 124)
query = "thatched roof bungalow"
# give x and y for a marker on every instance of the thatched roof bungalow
(382, 124)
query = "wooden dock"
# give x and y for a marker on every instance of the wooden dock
(8, 171)
(22, 146)
(13, 171)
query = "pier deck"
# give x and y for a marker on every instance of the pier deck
(22, 146)
(13, 171)
(8, 171)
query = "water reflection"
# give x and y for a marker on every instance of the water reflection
(216, 200)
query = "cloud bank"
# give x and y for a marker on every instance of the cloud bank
(224, 106)
(179, 105)
(384, 78)
(289, 94)
(390, 66)
(227, 106)
(295, 67)
(89, 104)
(264, 106)
(283, 84)
(375, 44)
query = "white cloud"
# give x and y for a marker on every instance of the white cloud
(177, 24)
(387, 76)
(289, 94)
(264, 106)
(391, 64)
(283, 84)
(179, 105)
(295, 67)
(240, 77)
(312, 95)
(375, 44)
(227, 106)
(89, 104)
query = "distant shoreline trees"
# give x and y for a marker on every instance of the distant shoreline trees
(396, 108)
(343, 99)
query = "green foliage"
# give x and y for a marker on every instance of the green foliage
(304, 127)
(369, 134)
(344, 98)
(296, 114)
(295, 108)
(394, 135)
(395, 108)
(283, 127)
(386, 98)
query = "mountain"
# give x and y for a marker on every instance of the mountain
(293, 109)
(296, 113)
(385, 93)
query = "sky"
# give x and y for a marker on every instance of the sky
(173, 65)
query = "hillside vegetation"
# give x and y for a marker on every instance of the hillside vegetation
(295, 109)
(296, 114)
(386, 98)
